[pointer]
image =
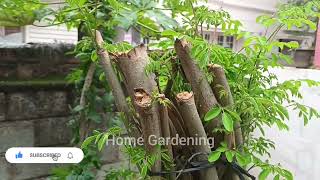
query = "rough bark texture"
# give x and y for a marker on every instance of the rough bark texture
(119, 97)
(149, 124)
(87, 83)
(222, 91)
(220, 85)
(180, 115)
(165, 129)
(133, 65)
(188, 109)
(205, 99)
(204, 96)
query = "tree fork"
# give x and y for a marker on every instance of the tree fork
(188, 109)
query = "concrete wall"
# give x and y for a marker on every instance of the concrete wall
(298, 150)
(34, 100)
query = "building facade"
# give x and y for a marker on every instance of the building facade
(38, 33)
(246, 11)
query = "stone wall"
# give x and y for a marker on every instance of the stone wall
(34, 105)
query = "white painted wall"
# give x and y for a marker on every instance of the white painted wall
(34, 34)
(51, 34)
(299, 149)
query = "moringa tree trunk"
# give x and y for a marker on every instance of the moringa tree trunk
(132, 65)
(204, 97)
(188, 109)
(119, 97)
(149, 124)
(222, 91)
(165, 129)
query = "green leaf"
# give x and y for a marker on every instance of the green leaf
(75, 3)
(144, 170)
(227, 122)
(78, 108)
(229, 155)
(240, 159)
(94, 56)
(234, 115)
(214, 156)
(277, 177)
(87, 141)
(264, 174)
(102, 141)
(170, 32)
(214, 112)
(222, 149)
(94, 116)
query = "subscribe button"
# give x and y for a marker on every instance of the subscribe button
(44, 155)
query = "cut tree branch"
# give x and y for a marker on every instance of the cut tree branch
(119, 97)
(188, 109)
(149, 124)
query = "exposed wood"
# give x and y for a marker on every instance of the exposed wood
(204, 96)
(119, 97)
(132, 65)
(188, 109)
(149, 124)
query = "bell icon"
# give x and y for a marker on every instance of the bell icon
(70, 155)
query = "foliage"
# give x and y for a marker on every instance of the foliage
(260, 99)
(84, 170)
(21, 12)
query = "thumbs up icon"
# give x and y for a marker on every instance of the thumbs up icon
(19, 155)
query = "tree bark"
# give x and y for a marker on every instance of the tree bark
(165, 130)
(204, 96)
(83, 124)
(119, 97)
(220, 86)
(149, 124)
(133, 65)
(188, 109)
(223, 93)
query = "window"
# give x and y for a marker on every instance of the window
(207, 37)
(220, 40)
(285, 49)
(146, 40)
(226, 41)
(229, 42)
